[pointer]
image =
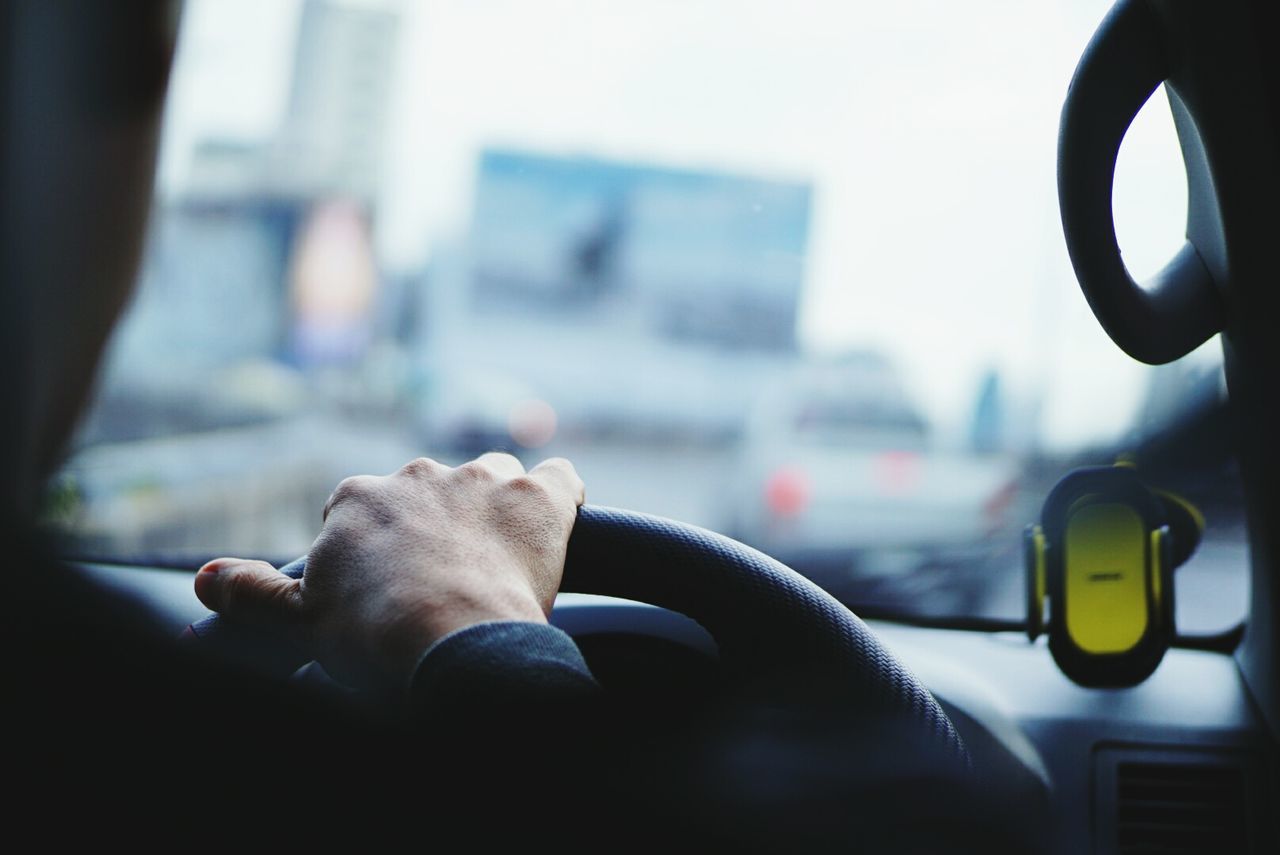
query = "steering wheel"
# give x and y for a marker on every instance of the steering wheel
(762, 614)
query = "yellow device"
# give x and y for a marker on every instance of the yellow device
(1100, 574)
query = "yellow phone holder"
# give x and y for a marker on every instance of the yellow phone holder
(1099, 574)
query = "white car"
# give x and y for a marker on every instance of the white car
(838, 478)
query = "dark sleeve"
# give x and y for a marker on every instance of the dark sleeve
(502, 662)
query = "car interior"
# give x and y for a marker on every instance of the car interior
(1163, 744)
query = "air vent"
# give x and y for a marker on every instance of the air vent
(1175, 807)
(1175, 802)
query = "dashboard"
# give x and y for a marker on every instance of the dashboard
(1179, 763)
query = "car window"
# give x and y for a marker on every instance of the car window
(829, 420)
(789, 271)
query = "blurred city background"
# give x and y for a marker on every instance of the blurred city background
(792, 272)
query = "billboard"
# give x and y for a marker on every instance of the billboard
(690, 255)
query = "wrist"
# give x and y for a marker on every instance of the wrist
(416, 631)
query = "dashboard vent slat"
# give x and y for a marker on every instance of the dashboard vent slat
(1180, 807)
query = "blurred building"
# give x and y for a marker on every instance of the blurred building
(614, 298)
(241, 261)
(331, 140)
(988, 429)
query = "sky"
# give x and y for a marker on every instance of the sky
(928, 129)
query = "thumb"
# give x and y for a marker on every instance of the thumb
(251, 592)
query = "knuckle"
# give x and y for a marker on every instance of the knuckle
(532, 488)
(499, 457)
(420, 467)
(354, 487)
(562, 470)
(335, 547)
(562, 482)
(474, 470)
(362, 493)
(560, 463)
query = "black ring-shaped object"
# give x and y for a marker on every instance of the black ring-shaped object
(763, 615)
(1181, 308)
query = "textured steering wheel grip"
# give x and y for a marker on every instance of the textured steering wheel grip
(763, 615)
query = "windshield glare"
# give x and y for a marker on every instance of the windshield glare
(792, 272)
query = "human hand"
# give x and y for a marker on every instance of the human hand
(405, 559)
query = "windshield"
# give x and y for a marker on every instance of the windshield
(790, 271)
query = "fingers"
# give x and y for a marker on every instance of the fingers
(556, 475)
(559, 476)
(251, 592)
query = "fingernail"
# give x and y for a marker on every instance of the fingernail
(218, 564)
(207, 590)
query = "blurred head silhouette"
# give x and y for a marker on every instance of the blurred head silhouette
(81, 89)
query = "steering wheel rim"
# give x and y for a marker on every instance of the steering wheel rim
(762, 614)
